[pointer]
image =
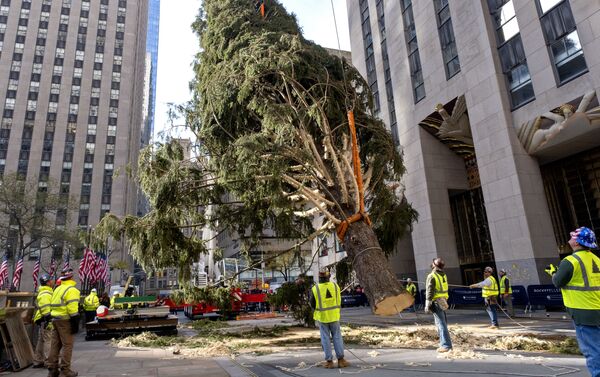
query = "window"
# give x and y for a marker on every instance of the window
(414, 59)
(447, 40)
(369, 54)
(511, 53)
(562, 39)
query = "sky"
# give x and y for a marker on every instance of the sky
(177, 45)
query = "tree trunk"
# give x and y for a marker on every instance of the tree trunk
(384, 292)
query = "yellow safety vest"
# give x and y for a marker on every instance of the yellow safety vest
(65, 300)
(503, 286)
(583, 290)
(491, 290)
(91, 302)
(329, 299)
(412, 289)
(441, 285)
(113, 305)
(42, 302)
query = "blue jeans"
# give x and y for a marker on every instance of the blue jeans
(492, 312)
(328, 331)
(587, 337)
(442, 326)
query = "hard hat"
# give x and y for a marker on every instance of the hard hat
(324, 274)
(408, 280)
(585, 237)
(503, 271)
(66, 273)
(489, 269)
(94, 290)
(102, 311)
(44, 279)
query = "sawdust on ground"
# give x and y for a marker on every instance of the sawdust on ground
(224, 342)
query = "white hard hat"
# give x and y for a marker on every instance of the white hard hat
(94, 290)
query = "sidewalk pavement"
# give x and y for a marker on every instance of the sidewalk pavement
(100, 359)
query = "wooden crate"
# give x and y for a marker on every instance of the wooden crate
(16, 340)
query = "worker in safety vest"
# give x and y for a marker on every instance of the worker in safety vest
(411, 287)
(326, 300)
(578, 277)
(436, 302)
(489, 292)
(112, 301)
(506, 292)
(65, 323)
(90, 304)
(42, 319)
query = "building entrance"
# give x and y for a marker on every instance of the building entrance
(572, 187)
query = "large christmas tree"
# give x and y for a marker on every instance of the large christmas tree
(270, 112)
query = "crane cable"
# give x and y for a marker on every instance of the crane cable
(362, 213)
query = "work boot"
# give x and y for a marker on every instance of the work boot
(443, 350)
(68, 373)
(342, 363)
(53, 373)
(493, 327)
(327, 364)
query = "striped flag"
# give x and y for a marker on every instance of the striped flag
(86, 264)
(106, 272)
(4, 272)
(67, 264)
(52, 267)
(16, 282)
(35, 274)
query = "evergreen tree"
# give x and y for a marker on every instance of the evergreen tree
(270, 109)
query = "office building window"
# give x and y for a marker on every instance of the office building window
(511, 53)
(414, 59)
(369, 53)
(447, 40)
(562, 39)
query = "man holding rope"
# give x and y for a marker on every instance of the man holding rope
(489, 291)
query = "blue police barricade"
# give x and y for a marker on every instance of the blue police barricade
(545, 295)
(519, 295)
(465, 296)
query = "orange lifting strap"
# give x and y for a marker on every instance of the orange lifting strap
(361, 214)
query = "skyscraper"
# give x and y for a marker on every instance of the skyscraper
(71, 90)
(152, 50)
(494, 105)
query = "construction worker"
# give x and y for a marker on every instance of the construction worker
(489, 292)
(506, 292)
(42, 319)
(65, 323)
(578, 277)
(436, 302)
(412, 289)
(112, 301)
(326, 300)
(90, 304)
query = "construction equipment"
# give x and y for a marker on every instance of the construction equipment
(141, 314)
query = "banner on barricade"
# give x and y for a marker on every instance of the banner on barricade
(545, 295)
(465, 296)
(519, 295)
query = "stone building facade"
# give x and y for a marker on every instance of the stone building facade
(71, 92)
(494, 105)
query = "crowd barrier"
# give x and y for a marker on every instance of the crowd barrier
(534, 295)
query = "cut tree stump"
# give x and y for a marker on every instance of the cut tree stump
(384, 292)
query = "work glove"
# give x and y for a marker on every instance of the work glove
(550, 269)
(427, 306)
(39, 321)
(74, 324)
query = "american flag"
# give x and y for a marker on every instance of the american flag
(52, 267)
(106, 272)
(3, 272)
(16, 282)
(86, 265)
(35, 274)
(67, 264)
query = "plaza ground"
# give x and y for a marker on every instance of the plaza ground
(103, 359)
